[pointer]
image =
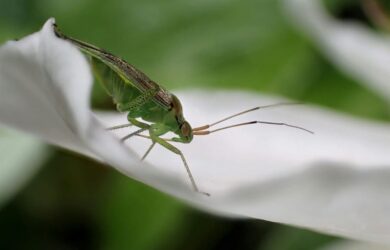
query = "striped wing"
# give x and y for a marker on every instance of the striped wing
(117, 71)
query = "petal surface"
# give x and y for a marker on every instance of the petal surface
(44, 88)
(354, 245)
(334, 181)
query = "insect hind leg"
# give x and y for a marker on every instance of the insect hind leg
(175, 150)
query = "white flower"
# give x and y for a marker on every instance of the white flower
(335, 181)
(353, 245)
(358, 51)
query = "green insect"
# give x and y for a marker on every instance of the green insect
(150, 106)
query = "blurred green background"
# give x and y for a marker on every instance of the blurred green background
(75, 203)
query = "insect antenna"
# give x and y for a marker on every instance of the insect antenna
(244, 112)
(207, 132)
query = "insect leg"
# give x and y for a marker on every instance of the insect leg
(148, 151)
(120, 126)
(141, 125)
(137, 123)
(175, 150)
(133, 105)
(132, 134)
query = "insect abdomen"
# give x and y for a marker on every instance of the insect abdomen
(121, 91)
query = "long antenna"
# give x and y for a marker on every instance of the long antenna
(207, 132)
(244, 112)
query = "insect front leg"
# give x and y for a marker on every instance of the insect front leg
(132, 108)
(135, 122)
(175, 150)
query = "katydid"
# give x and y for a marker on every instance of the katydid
(150, 106)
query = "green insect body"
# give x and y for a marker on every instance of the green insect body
(135, 93)
(146, 101)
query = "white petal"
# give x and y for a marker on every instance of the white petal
(354, 245)
(335, 181)
(20, 157)
(361, 53)
(44, 85)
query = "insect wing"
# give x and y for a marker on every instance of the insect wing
(113, 71)
(117, 87)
